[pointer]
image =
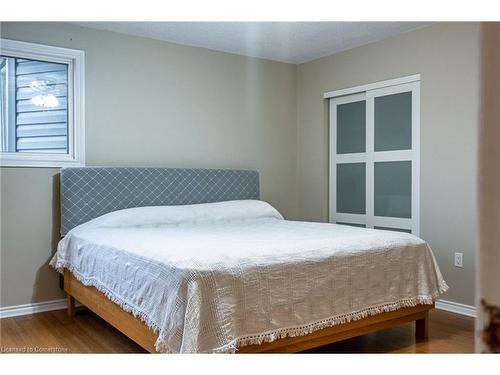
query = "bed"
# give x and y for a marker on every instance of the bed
(191, 261)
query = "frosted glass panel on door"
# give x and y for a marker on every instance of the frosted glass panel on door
(393, 189)
(393, 122)
(351, 128)
(351, 188)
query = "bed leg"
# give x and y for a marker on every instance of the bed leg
(71, 306)
(422, 327)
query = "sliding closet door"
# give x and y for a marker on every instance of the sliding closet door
(348, 135)
(374, 158)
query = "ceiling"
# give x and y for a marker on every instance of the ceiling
(290, 42)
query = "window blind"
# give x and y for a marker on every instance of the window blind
(41, 121)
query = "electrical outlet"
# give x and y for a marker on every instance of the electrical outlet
(459, 260)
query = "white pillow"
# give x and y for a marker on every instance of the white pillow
(183, 214)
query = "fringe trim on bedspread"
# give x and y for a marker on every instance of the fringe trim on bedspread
(134, 310)
(265, 337)
(306, 329)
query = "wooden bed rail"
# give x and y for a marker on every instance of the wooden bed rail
(137, 331)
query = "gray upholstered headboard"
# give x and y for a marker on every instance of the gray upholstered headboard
(89, 192)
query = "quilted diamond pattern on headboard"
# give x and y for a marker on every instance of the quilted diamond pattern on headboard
(89, 192)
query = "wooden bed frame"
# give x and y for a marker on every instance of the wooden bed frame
(136, 330)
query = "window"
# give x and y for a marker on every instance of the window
(41, 105)
(374, 155)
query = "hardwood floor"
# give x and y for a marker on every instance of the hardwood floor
(448, 333)
(87, 333)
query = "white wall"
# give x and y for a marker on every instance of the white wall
(447, 57)
(151, 103)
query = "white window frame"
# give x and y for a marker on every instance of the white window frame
(75, 59)
(369, 157)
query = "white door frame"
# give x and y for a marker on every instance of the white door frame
(371, 86)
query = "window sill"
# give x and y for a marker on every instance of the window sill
(39, 160)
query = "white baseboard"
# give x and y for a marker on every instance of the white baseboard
(32, 308)
(60, 304)
(455, 307)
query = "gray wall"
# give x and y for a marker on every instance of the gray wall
(151, 103)
(447, 57)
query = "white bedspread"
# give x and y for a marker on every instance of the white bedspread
(214, 277)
